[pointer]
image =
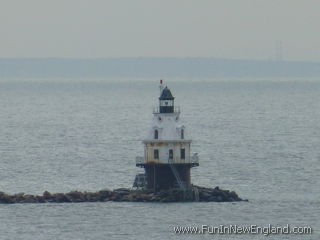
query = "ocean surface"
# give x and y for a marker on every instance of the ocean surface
(260, 138)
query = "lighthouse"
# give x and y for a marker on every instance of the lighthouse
(167, 159)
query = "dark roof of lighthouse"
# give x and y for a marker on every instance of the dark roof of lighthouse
(166, 94)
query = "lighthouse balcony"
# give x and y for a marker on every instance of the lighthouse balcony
(156, 110)
(193, 162)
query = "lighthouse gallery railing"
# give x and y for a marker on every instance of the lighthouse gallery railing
(157, 110)
(193, 159)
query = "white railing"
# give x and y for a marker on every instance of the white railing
(193, 159)
(156, 110)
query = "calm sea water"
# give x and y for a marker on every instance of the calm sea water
(260, 138)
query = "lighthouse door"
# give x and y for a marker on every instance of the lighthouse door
(170, 155)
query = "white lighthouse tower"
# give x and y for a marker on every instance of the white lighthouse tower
(167, 149)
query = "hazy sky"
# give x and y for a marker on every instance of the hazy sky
(246, 29)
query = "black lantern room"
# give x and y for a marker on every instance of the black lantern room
(166, 101)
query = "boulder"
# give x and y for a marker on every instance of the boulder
(75, 196)
(5, 198)
(30, 199)
(105, 194)
(47, 196)
(60, 198)
(19, 197)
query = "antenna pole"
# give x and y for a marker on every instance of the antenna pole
(161, 86)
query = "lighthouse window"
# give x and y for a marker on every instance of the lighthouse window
(156, 134)
(182, 153)
(182, 134)
(156, 154)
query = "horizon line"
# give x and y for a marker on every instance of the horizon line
(158, 57)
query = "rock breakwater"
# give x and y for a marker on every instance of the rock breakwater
(201, 194)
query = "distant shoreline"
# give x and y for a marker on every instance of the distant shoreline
(147, 67)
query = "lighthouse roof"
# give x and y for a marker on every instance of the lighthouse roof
(166, 94)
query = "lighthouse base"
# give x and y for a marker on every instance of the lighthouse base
(166, 176)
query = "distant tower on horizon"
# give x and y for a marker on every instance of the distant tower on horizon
(167, 157)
